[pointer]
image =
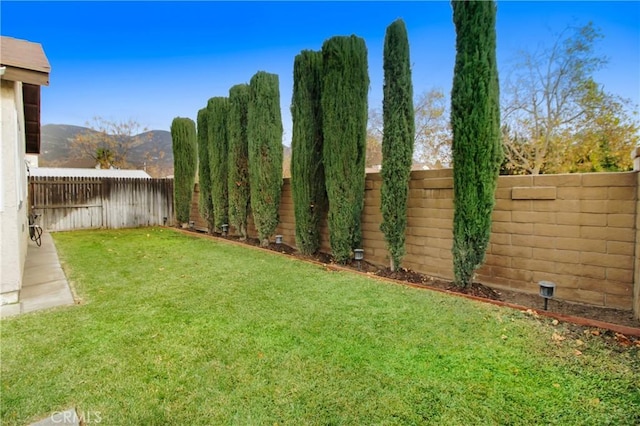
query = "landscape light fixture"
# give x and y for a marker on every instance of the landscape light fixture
(164, 221)
(358, 255)
(547, 288)
(278, 239)
(225, 229)
(192, 225)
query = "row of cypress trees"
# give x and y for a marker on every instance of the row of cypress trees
(336, 125)
(240, 158)
(329, 113)
(243, 135)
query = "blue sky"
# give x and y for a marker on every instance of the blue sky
(153, 61)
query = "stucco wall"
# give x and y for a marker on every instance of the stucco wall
(13, 186)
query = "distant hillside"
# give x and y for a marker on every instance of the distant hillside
(154, 154)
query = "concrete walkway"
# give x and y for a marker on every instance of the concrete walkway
(44, 284)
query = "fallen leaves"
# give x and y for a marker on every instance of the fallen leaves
(622, 339)
(557, 337)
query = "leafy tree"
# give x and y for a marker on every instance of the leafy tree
(604, 139)
(238, 180)
(432, 143)
(104, 157)
(475, 121)
(344, 125)
(217, 111)
(397, 141)
(433, 130)
(307, 169)
(375, 130)
(205, 203)
(264, 129)
(185, 161)
(553, 109)
(109, 143)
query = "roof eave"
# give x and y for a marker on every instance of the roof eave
(25, 75)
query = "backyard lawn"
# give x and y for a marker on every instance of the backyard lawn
(174, 329)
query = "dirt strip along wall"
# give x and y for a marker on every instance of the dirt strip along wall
(577, 230)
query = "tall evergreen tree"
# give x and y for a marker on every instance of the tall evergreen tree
(217, 110)
(475, 123)
(397, 139)
(185, 163)
(205, 203)
(238, 180)
(264, 126)
(307, 169)
(345, 88)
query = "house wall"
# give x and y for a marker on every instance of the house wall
(577, 230)
(13, 193)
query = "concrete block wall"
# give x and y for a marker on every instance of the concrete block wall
(636, 272)
(577, 230)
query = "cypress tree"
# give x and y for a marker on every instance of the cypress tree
(397, 139)
(238, 180)
(185, 162)
(344, 125)
(264, 126)
(205, 203)
(475, 123)
(307, 169)
(217, 109)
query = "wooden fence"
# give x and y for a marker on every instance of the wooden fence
(67, 203)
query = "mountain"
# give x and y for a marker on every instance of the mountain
(153, 152)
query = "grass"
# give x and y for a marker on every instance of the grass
(175, 330)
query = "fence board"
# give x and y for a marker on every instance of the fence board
(67, 203)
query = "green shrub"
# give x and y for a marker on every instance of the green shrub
(345, 88)
(238, 179)
(397, 140)
(185, 162)
(475, 123)
(205, 203)
(218, 158)
(264, 126)
(307, 169)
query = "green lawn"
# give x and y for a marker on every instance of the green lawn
(179, 330)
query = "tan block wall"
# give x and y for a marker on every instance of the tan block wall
(636, 274)
(583, 238)
(577, 230)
